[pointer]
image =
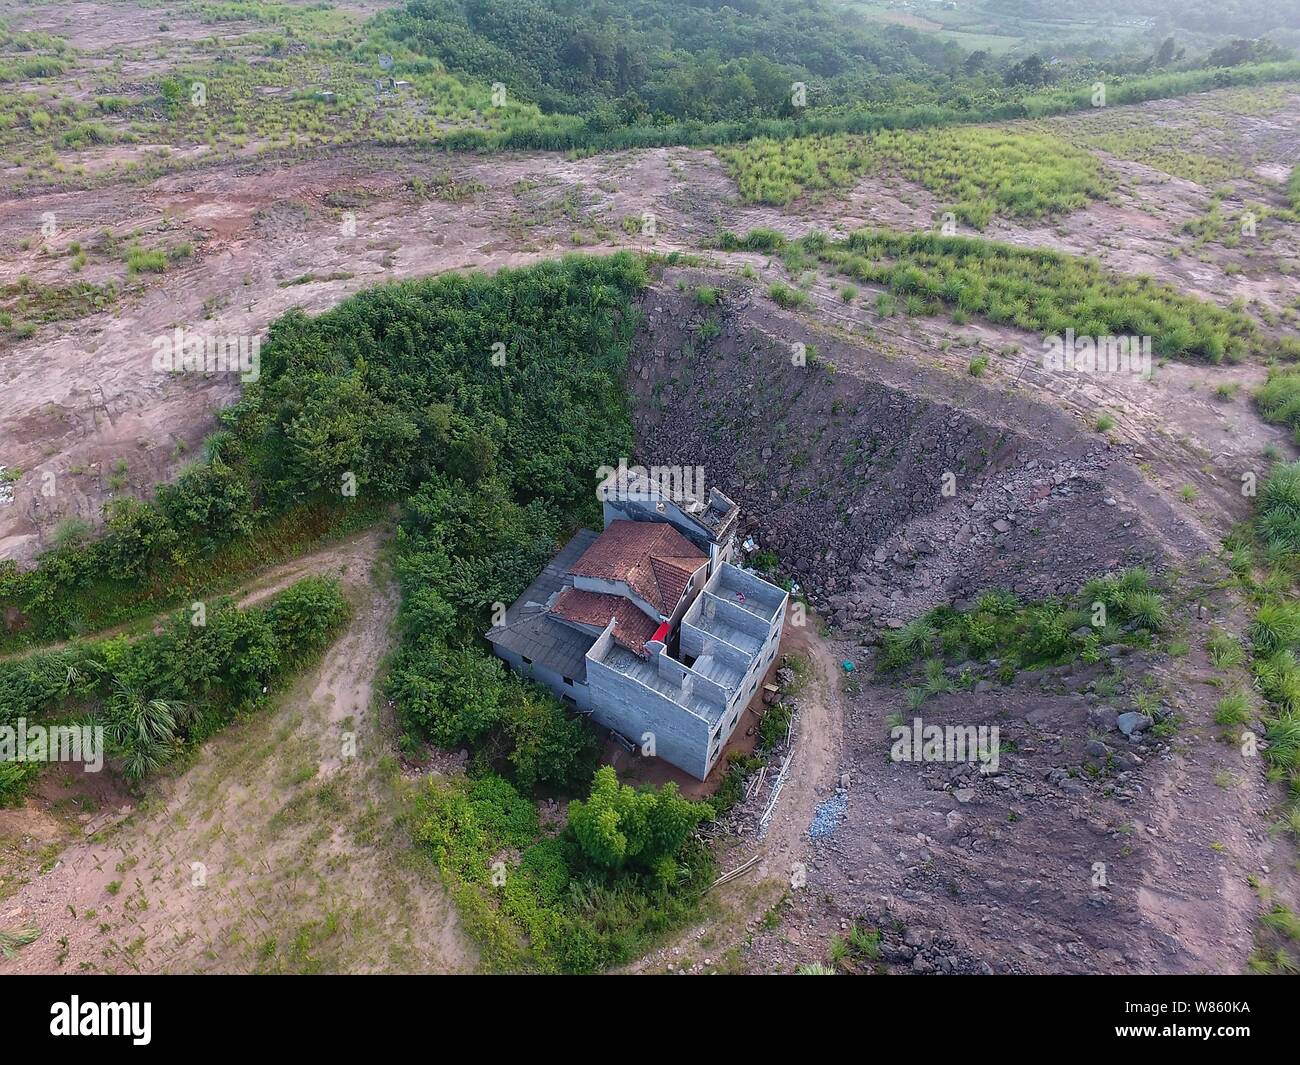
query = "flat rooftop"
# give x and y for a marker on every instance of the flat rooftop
(743, 590)
(531, 632)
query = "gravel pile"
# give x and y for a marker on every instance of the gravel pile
(828, 816)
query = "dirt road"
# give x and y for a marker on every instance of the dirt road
(277, 850)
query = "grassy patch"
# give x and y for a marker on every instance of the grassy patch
(1123, 609)
(977, 171)
(1042, 291)
(25, 304)
(1278, 399)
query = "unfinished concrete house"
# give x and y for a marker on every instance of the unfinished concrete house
(650, 628)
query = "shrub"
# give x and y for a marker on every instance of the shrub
(1044, 291)
(1276, 627)
(1224, 649)
(786, 296)
(562, 907)
(774, 727)
(619, 826)
(1146, 610)
(1278, 399)
(16, 778)
(1023, 634)
(1278, 519)
(1233, 709)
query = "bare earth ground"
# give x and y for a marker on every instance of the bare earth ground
(305, 869)
(999, 875)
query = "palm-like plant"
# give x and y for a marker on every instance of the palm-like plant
(142, 731)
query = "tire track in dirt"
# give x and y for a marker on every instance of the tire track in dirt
(819, 729)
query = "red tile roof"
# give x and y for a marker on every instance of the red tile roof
(632, 625)
(651, 557)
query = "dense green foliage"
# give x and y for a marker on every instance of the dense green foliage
(578, 901)
(461, 550)
(1278, 399)
(978, 171)
(485, 405)
(1119, 609)
(396, 395)
(333, 410)
(629, 60)
(1274, 632)
(161, 692)
(619, 827)
(201, 533)
(571, 132)
(399, 388)
(287, 77)
(16, 779)
(641, 72)
(1043, 291)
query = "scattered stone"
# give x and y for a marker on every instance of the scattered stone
(1131, 723)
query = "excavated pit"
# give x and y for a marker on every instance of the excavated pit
(885, 486)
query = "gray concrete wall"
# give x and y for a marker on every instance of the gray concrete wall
(761, 591)
(631, 708)
(695, 641)
(686, 740)
(697, 582)
(735, 615)
(578, 692)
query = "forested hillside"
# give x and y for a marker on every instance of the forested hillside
(629, 59)
(638, 72)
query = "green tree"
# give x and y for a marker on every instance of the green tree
(142, 731)
(551, 748)
(618, 825)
